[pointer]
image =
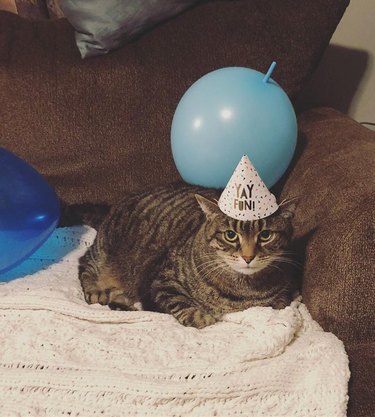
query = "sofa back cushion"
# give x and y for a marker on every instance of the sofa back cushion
(99, 127)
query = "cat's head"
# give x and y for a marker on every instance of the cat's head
(248, 247)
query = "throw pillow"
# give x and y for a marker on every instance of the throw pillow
(105, 25)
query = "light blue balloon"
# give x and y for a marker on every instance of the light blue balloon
(229, 113)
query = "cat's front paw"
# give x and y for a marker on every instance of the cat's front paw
(192, 317)
(96, 296)
(115, 298)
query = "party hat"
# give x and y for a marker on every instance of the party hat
(246, 197)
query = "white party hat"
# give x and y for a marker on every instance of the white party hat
(246, 197)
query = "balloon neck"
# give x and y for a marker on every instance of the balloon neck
(269, 72)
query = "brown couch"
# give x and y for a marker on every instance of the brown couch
(100, 127)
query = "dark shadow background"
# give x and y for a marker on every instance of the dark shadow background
(336, 80)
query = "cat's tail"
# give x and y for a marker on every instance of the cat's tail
(86, 213)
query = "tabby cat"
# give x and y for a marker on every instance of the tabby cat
(173, 251)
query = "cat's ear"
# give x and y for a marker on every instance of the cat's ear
(288, 207)
(209, 207)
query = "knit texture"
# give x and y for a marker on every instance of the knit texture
(62, 357)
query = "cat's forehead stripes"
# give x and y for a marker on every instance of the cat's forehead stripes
(247, 227)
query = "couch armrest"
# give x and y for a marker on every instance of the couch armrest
(361, 384)
(333, 175)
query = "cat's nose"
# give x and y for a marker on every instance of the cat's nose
(248, 259)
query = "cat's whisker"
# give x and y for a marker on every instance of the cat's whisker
(271, 265)
(283, 259)
(207, 263)
(217, 274)
(286, 258)
(208, 268)
(287, 201)
(287, 261)
(209, 272)
(214, 266)
(286, 252)
(288, 255)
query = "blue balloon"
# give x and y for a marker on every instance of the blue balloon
(229, 113)
(29, 210)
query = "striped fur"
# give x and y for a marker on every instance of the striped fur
(166, 251)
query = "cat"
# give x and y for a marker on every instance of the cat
(173, 251)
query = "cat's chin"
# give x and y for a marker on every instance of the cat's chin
(247, 270)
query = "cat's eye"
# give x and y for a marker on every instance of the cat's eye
(265, 235)
(230, 235)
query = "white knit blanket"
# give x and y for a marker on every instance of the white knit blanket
(62, 357)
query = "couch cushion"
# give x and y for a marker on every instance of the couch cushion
(333, 176)
(98, 127)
